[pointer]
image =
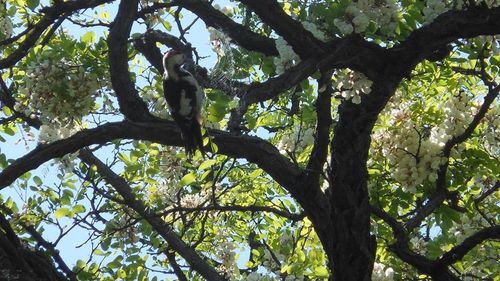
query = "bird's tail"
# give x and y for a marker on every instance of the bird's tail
(193, 139)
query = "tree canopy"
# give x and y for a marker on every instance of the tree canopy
(347, 140)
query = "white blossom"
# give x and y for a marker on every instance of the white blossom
(287, 57)
(6, 27)
(298, 141)
(313, 28)
(59, 90)
(352, 84)
(381, 273)
(359, 14)
(432, 9)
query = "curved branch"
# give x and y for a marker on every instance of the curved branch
(237, 32)
(131, 105)
(302, 41)
(447, 28)
(254, 149)
(459, 251)
(239, 208)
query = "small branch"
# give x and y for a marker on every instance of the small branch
(459, 251)
(238, 208)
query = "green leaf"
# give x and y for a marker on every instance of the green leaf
(167, 25)
(207, 164)
(187, 179)
(37, 180)
(321, 272)
(79, 208)
(32, 4)
(62, 212)
(88, 37)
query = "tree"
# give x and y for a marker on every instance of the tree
(348, 140)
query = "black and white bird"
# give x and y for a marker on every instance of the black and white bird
(185, 99)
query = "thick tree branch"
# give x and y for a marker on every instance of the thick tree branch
(301, 40)
(254, 149)
(237, 32)
(445, 29)
(46, 244)
(131, 105)
(166, 231)
(324, 122)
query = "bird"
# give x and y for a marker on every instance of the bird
(185, 98)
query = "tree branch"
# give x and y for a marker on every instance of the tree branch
(301, 40)
(458, 252)
(131, 105)
(445, 29)
(237, 32)
(239, 208)
(166, 231)
(254, 149)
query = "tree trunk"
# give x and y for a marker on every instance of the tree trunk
(19, 263)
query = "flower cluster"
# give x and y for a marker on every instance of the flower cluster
(412, 156)
(351, 84)
(457, 115)
(226, 10)
(412, 147)
(219, 40)
(156, 101)
(433, 8)
(491, 138)
(358, 15)
(419, 245)
(287, 57)
(171, 172)
(313, 28)
(154, 18)
(226, 254)
(194, 200)
(53, 131)
(6, 27)
(298, 141)
(59, 90)
(381, 273)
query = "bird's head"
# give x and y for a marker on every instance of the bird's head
(173, 57)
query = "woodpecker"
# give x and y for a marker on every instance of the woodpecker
(185, 99)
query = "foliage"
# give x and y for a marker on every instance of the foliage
(330, 124)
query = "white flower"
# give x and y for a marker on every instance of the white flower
(380, 273)
(287, 57)
(313, 28)
(59, 90)
(344, 27)
(6, 27)
(352, 84)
